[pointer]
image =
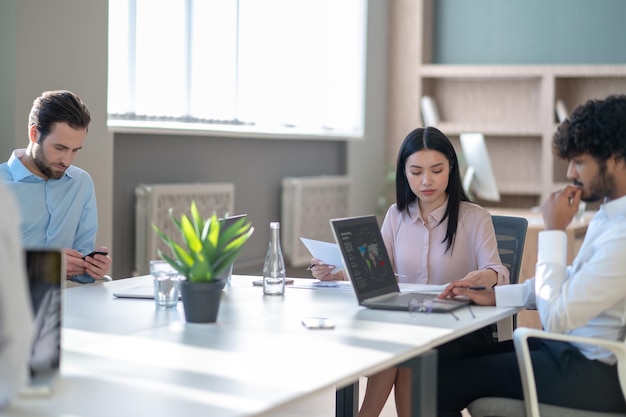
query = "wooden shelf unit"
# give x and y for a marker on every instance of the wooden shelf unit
(512, 105)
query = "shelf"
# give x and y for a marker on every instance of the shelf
(514, 108)
(576, 90)
(520, 71)
(519, 188)
(455, 129)
(507, 105)
(486, 72)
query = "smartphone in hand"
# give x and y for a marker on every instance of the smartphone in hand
(96, 252)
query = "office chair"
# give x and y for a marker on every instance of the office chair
(530, 407)
(511, 236)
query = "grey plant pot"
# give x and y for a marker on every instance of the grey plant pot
(201, 300)
(225, 274)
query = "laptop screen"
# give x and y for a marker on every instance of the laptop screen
(365, 256)
(45, 269)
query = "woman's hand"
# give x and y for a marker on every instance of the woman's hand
(322, 271)
(487, 278)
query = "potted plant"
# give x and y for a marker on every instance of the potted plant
(209, 249)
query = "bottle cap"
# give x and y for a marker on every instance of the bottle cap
(275, 225)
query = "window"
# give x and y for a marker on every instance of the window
(254, 66)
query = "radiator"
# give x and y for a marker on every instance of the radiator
(152, 205)
(308, 203)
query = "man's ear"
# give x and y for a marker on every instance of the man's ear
(33, 133)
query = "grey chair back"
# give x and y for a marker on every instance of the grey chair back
(511, 235)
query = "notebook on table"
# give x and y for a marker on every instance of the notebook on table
(146, 291)
(45, 269)
(367, 263)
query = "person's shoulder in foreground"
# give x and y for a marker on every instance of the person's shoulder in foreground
(16, 320)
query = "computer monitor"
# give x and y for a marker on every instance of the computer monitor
(479, 176)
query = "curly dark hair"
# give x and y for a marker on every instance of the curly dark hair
(597, 128)
(433, 139)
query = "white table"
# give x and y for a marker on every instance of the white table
(123, 357)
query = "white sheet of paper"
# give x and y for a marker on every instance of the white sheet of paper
(327, 252)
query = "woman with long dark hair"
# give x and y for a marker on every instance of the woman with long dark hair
(434, 235)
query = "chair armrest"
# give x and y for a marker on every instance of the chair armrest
(522, 350)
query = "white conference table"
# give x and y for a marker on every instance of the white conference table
(124, 357)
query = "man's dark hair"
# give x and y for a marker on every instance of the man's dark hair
(58, 106)
(597, 128)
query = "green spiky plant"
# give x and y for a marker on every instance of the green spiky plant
(210, 248)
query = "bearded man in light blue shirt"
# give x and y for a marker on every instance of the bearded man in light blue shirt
(57, 200)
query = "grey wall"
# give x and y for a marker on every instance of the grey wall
(7, 77)
(530, 32)
(255, 166)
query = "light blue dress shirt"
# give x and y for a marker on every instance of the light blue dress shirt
(59, 213)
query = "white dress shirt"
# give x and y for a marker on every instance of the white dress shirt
(16, 320)
(587, 298)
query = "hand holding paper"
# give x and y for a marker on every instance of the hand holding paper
(325, 251)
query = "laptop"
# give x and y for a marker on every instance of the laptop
(45, 269)
(367, 263)
(146, 291)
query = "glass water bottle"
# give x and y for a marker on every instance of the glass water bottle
(274, 267)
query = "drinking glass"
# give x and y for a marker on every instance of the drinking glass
(166, 283)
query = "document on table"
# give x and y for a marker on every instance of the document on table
(314, 284)
(324, 251)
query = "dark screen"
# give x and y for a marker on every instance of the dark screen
(44, 269)
(365, 256)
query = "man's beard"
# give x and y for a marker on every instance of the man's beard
(601, 187)
(43, 165)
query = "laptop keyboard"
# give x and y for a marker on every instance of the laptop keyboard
(404, 298)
